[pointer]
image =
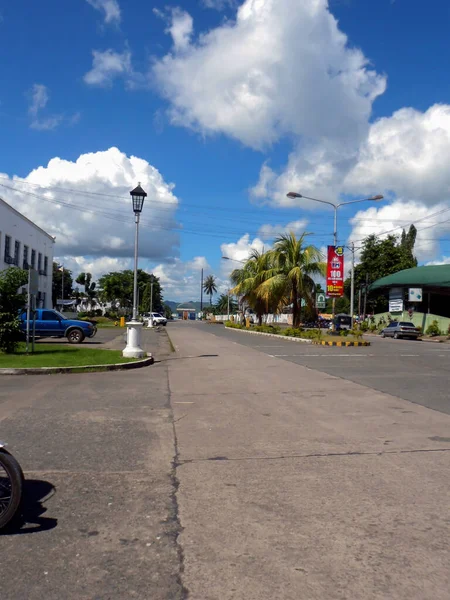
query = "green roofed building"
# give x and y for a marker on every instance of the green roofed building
(422, 293)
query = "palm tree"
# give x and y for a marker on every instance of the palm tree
(294, 264)
(210, 287)
(249, 279)
(222, 305)
(85, 279)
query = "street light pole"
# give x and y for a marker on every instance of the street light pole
(352, 286)
(335, 207)
(133, 348)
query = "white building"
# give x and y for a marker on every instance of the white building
(24, 244)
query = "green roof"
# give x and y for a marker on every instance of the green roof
(431, 276)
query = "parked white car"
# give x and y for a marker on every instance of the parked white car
(157, 318)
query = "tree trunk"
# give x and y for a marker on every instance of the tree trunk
(260, 319)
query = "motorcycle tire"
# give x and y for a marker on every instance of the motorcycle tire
(11, 486)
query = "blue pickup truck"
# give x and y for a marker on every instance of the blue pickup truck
(51, 323)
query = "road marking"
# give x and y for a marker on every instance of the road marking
(320, 355)
(409, 355)
(184, 403)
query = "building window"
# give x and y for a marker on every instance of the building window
(39, 268)
(33, 259)
(16, 253)
(45, 265)
(7, 248)
(25, 257)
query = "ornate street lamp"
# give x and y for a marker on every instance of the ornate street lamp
(133, 348)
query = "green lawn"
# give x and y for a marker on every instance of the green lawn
(58, 355)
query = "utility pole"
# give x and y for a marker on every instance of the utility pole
(359, 301)
(228, 303)
(62, 288)
(352, 287)
(365, 295)
(201, 294)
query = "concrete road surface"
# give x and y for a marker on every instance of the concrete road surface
(100, 508)
(294, 483)
(414, 370)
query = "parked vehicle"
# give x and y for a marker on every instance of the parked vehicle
(158, 319)
(51, 323)
(341, 322)
(401, 329)
(11, 486)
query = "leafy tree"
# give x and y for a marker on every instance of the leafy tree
(85, 279)
(382, 257)
(167, 311)
(210, 287)
(117, 287)
(11, 302)
(57, 284)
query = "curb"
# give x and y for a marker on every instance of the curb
(85, 369)
(275, 335)
(355, 344)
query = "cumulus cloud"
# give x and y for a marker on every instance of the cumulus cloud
(240, 251)
(281, 68)
(96, 266)
(110, 8)
(431, 223)
(38, 100)
(86, 204)
(180, 28)
(406, 153)
(110, 65)
(181, 280)
(267, 232)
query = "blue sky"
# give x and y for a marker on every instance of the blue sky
(226, 107)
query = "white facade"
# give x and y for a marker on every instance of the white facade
(23, 244)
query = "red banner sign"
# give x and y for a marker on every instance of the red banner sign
(335, 271)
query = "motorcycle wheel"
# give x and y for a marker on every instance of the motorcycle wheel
(11, 485)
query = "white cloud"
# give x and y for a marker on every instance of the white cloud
(181, 28)
(282, 68)
(38, 100)
(431, 223)
(240, 251)
(97, 266)
(181, 281)
(108, 65)
(110, 8)
(408, 154)
(218, 4)
(98, 227)
(445, 260)
(267, 232)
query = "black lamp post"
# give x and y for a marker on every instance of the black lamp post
(138, 196)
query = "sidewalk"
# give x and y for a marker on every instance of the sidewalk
(296, 484)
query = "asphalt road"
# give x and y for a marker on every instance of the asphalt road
(413, 370)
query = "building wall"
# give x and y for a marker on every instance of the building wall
(419, 319)
(21, 233)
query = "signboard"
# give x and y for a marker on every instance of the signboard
(415, 294)
(335, 271)
(395, 306)
(320, 300)
(33, 281)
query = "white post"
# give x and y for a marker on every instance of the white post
(28, 309)
(134, 327)
(228, 304)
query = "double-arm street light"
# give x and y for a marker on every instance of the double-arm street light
(336, 207)
(133, 348)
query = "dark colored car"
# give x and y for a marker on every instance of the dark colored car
(51, 323)
(401, 329)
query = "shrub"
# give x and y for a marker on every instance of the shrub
(357, 333)
(343, 332)
(10, 304)
(364, 326)
(433, 329)
(82, 314)
(293, 332)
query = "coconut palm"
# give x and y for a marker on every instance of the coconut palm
(249, 279)
(209, 286)
(293, 266)
(222, 305)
